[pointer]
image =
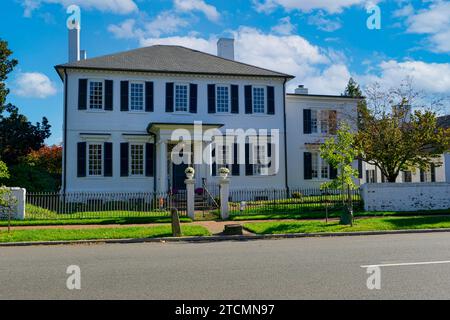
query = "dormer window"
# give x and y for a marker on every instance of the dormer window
(181, 97)
(95, 94)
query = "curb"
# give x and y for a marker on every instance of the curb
(222, 238)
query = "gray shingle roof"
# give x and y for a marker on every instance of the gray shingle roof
(163, 58)
(444, 121)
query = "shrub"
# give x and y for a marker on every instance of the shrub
(34, 179)
(297, 195)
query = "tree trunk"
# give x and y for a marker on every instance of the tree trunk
(347, 215)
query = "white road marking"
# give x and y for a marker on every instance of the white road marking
(405, 264)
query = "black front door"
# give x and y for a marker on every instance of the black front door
(179, 176)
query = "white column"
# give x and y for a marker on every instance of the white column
(224, 196)
(162, 167)
(190, 185)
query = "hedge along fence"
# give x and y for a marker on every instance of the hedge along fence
(80, 205)
(293, 201)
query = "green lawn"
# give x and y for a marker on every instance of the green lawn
(99, 221)
(332, 214)
(98, 233)
(369, 224)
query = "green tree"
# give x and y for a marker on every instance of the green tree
(398, 132)
(6, 66)
(18, 136)
(4, 173)
(340, 153)
(352, 90)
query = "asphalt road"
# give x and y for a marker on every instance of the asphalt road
(308, 268)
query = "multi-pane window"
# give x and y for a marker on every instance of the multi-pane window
(323, 121)
(137, 159)
(224, 158)
(181, 97)
(261, 160)
(136, 96)
(320, 168)
(407, 176)
(324, 169)
(223, 98)
(95, 94)
(95, 159)
(259, 100)
(371, 176)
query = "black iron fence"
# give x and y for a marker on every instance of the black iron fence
(291, 202)
(80, 205)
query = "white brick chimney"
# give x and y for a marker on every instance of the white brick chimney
(225, 48)
(74, 43)
(301, 90)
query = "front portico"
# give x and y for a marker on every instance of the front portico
(185, 143)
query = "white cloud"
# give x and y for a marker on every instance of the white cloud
(33, 85)
(404, 11)
(435, 22)
(114, 6)
(433, 78)
(163, 24)
(331, 6)
(323, 23)
(284, 26)
(125, 30)
(198, 5)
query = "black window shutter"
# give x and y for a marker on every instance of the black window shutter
(193, 92)
(149, 159)
(214, 163)
(109, 95)
(248, 165)
(333, 172)
(123, 95)
(211, 98)
(169, 97)
(248, 100)
(108, 160)
(270, 100)
(234, 99)
(375, 175)
(367, 176)
(306, 121)
(82, 94)
(124, 159)
(307, 165)
(81, 159)
(433, 172)
(360, 169)
(235, 167)
(149, 102)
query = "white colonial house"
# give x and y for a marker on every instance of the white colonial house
(122, 112)
(127, 114)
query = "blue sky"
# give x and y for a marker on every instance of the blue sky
(321, 42)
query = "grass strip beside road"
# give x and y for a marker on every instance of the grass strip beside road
(98, 233)
(87, 221)
(369, 224)
(334, 214)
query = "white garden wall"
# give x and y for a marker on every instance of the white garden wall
(406, 196)
(19, 195)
